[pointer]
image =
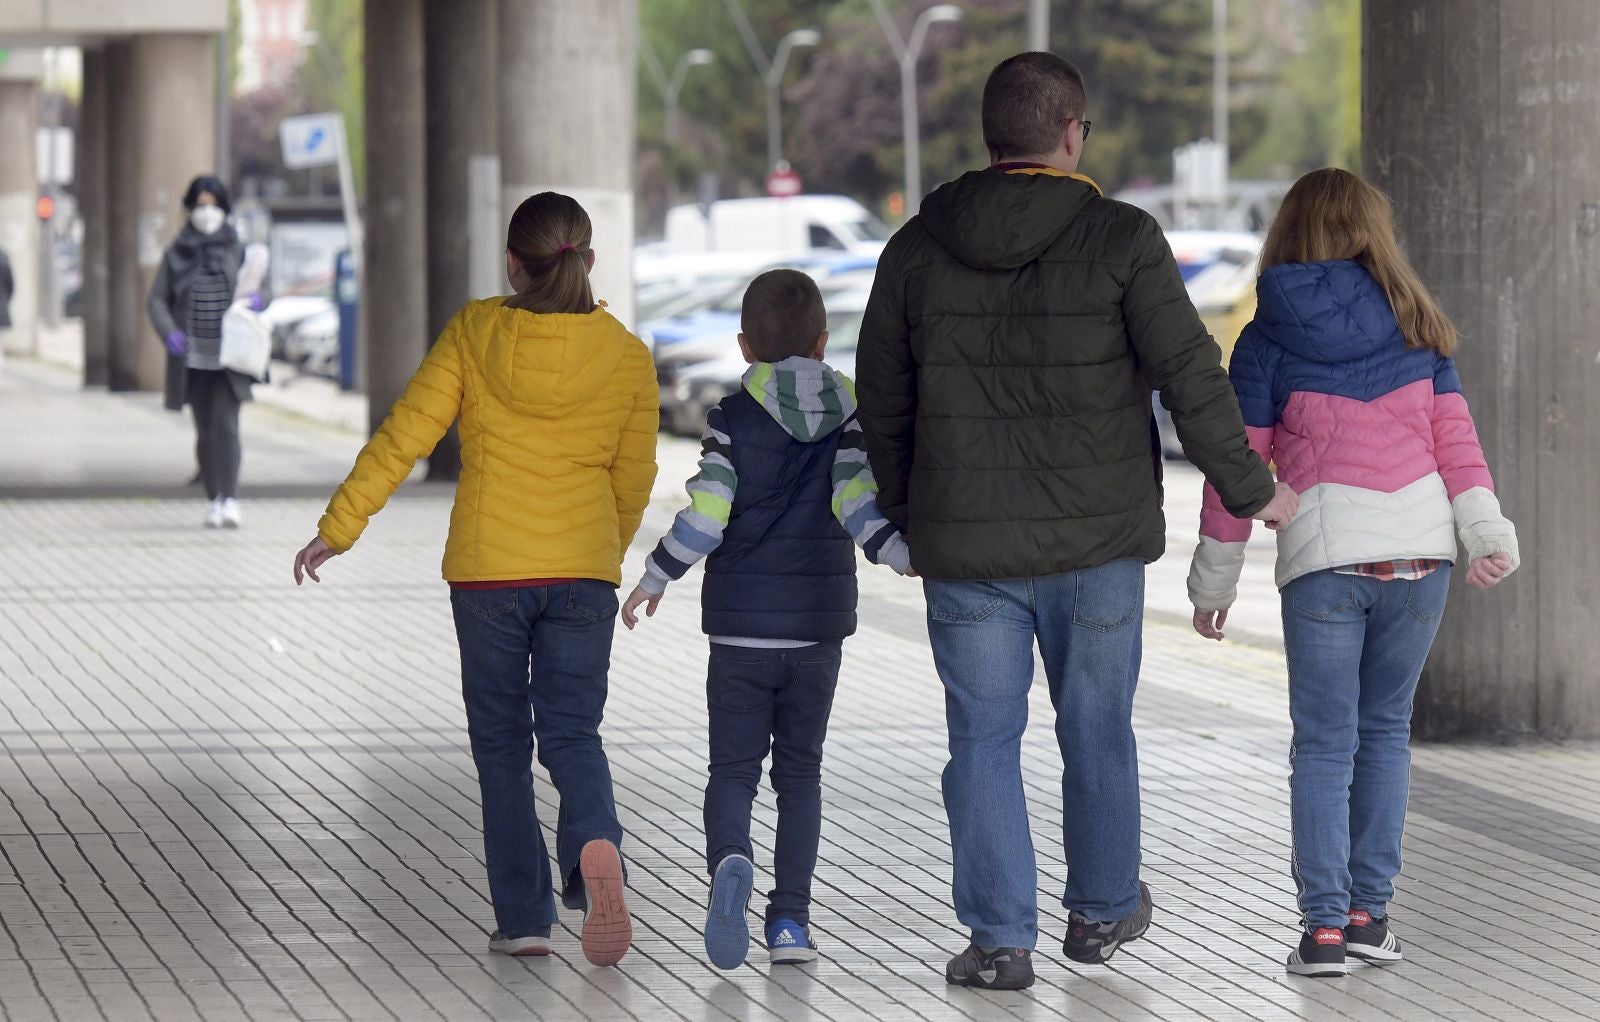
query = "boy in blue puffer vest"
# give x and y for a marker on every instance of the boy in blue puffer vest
(783, 489)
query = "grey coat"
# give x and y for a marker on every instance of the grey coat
(188, 254)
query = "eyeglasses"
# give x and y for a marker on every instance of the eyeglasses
(1080, 120)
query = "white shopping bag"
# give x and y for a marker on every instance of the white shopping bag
(246, 342)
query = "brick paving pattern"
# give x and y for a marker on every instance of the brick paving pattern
(224, 798)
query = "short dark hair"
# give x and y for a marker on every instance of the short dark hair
(1025, 100)
(782, 315)
(207, 183)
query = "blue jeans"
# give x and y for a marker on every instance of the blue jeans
(781, 698)
(1089, 625)
(564, 633)
(1356, 648)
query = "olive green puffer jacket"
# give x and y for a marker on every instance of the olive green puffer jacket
(1015, 331)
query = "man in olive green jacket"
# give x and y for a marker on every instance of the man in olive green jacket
(1016, 330)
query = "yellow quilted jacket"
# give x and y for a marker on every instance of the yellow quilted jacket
(558, 444)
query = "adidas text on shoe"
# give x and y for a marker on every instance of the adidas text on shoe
(994, 968)
(1369, 939)
(1093, 943)
(534, 945)
(727, 928)
(607, 928)
(789, 943)
(1321, 953)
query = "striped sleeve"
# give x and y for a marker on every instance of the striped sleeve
(855, 502)
(699, 527)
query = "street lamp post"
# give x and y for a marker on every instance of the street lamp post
(694, 58)
(780, 60)
(907, 53)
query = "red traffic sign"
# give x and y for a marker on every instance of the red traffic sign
(783, 182)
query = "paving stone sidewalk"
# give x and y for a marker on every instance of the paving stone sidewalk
(222, 797)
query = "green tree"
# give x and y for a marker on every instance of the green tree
(333, 78)
(1314, 118)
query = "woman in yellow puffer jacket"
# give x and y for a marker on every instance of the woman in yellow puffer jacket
(557, 403)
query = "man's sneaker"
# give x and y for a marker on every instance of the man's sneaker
(230, 513)
(534, 945)
(607, 928)
(727, 929)
(1321, 953)
(1370, 940)
(1093, 943)
(214, 514)
(789, 943)
(992, 968)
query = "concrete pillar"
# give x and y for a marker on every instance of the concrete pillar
(461, 143)
(92, 186)
(19, 217)
(161, 132)
(568, 74)
(1479, 119)
(394, 304)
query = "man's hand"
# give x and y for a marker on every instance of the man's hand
(1209, 623)
(1281, 509)
(636, 599)
(1487, 572)
(307, 561)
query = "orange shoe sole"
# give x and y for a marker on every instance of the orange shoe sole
(607, 928)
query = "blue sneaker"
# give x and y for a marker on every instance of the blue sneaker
(789, 943)
(727, 929)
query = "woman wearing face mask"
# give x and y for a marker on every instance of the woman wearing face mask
(193, 288)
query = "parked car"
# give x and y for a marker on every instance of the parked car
(286, 312)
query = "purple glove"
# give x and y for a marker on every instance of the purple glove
(256, 302)
(178, 342)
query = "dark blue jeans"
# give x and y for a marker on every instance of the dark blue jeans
(777, 698)
(1089, 627)
(563, 633)
(1356, 647)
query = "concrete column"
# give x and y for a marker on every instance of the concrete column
(1479, 119)
(568, 74)
(19, 217)
(462, 137)
(394, 304)
(161, 132)
(92, 166)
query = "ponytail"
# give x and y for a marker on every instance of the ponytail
(550, 235)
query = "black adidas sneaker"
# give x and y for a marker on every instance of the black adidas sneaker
(1369, 939)
(995, 968)
(1321, 953)
(1093, 943)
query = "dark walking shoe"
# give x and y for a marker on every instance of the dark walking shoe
(1093, 943)
(607, 928)
(1369, 939)
(1321, 953)
(535, 945)
(994, 968)
(727, 928)
(789, 943)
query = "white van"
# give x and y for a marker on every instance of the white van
(804, 223)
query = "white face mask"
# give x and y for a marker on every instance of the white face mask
(207, 219)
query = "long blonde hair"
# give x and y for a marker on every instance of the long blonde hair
(550, 235)
(1333, 214)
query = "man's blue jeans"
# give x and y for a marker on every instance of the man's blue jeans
(1356, 647)
(1089, 626)
(564, 633)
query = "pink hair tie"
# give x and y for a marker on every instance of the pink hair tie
(569, 247)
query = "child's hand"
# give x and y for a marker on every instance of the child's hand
(1209, 623)
(1487, 572)
(307, 561)
(635, 600)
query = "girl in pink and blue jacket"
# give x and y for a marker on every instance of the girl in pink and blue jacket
(1347, 385)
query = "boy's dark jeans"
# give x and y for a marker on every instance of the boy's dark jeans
(779, 698)
(563, 632)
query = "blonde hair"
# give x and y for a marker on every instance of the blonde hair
(550, 235)
(1333, 214)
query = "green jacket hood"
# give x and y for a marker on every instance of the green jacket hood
(808, 398)
(994, 220)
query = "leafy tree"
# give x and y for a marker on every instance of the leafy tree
(332, 78)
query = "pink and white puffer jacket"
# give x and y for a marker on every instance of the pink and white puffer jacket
(1373, 435)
